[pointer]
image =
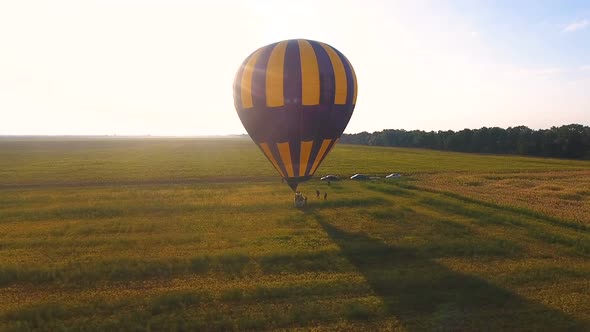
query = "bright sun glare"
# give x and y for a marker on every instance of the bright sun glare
(166, 68)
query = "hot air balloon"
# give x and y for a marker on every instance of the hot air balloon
(295, 98)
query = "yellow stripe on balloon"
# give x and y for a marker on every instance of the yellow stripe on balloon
(339, 75)
(270, 157)
(304, 156)
(320, 155)
(246, 84)
(274, 76)
(285, 153)
(310, 74)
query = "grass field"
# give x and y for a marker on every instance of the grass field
(199, 234)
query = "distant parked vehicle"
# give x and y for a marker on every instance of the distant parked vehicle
(329, 178)
(359, 177)
(393, 175)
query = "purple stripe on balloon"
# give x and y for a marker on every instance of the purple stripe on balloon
(295, 149)
(259, 77)
(327, 80)
(292, 91)
(292, 74)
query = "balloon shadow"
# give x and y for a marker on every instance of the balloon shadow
(425, 295)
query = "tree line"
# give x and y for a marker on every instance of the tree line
(569, 141)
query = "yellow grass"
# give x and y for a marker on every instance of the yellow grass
(563, 194)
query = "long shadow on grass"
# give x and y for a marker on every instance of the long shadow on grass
(344, 203)
(403, 189)
(424, 294)
(487, 213)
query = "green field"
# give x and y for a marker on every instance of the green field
(200, 234)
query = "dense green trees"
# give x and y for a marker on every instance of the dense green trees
(570, 141)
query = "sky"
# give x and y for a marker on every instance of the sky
(141, 67)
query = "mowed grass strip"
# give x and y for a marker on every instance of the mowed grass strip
(278, 303)
(193, 311)
(228, 265)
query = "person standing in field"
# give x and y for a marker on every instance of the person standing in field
(317, 194)
(325, 196)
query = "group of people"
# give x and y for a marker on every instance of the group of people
(317, 194)
(301, 201)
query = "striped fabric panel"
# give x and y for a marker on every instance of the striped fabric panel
(304, 157)
(285, 152)
(350, 78)
(309, 161)
(237, 86)
(327, 79)
(246, 80)
(259, 77)
(339, 75)
(274, 76)
(355, 81)
(320, 156)
(292, 74)
(310, 74)
(269, 155)
(300, 72)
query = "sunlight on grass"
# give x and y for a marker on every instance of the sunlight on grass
(485, 248)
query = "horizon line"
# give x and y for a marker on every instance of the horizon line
(246, 134)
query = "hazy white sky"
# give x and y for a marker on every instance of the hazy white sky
(167, 67)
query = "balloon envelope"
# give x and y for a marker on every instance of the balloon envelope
(295, 98)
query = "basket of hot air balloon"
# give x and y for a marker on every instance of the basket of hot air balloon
(295, 98)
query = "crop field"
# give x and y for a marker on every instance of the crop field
(200, 234)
